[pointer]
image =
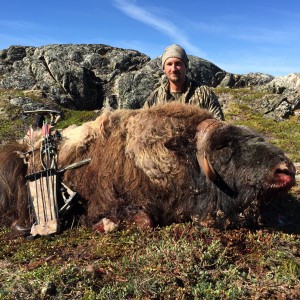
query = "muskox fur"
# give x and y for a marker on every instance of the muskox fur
(151, 162)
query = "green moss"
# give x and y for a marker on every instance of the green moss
(12, 129)
(76, 117)
(244, 94)
(181, 261)
(284, 134)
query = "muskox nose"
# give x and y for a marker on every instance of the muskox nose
(287, 168)
(283, 176)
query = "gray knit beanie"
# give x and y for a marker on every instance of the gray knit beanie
(174, 51)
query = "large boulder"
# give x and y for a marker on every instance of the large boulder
(277, 107)
(76, 76)
(284, 84)
(245, 80)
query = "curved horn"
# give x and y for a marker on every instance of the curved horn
(204, 130)
(208, 169)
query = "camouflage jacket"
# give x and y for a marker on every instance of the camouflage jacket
(193, 93)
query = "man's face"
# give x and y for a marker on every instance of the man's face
(175, 69)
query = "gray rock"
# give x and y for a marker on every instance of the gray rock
(279, 107)
(75, 76)
(247, 80)
(284, 84)
(284, 92)
(27, 103)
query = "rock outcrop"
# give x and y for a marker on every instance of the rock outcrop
(244, 81)
(89, 77)
(77, 76)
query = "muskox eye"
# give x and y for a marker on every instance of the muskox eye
(223, 154)
(221, 145)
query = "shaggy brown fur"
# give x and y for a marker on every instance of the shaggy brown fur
(130, 163)
(13, 191)
(149, 165)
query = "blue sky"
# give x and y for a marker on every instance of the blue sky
(239, 36)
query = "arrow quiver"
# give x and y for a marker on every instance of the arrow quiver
(49, 197)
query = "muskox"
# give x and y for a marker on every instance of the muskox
(170, 163)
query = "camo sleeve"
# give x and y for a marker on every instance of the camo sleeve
(151, 100)
(206, 98)
(158, 96)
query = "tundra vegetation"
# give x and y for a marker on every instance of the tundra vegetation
(181, 261)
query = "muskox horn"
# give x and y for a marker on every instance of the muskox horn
(208, 169)
(204, 131)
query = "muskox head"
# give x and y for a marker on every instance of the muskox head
(245, 171)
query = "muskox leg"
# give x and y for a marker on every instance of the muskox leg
(106, 225)
(141, 219)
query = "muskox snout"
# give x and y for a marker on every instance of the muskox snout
(282, 177)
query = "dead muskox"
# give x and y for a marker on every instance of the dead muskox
(169, 163)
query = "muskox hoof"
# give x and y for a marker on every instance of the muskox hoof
(105, 225)
(21, 229)
(142, 220)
